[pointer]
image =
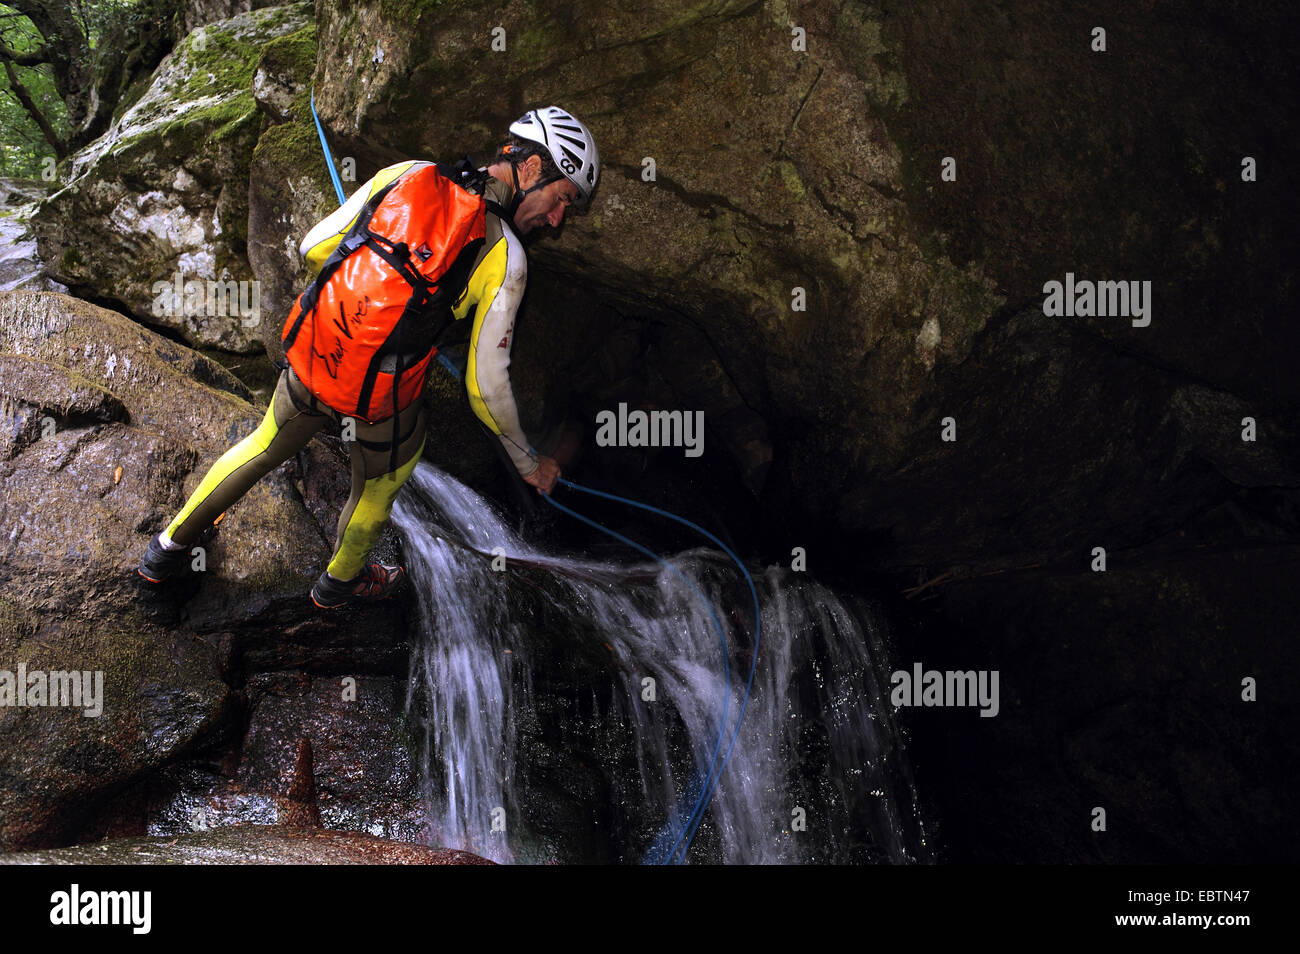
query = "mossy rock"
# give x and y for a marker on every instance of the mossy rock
(164, 193)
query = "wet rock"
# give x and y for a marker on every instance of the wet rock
(20, 266)
(361, 773)
(250, 844)
(108, 426)
(301, 809)
(314, 750)
(32, 391)
(160, 693)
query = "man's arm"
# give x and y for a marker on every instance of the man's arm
(497, 286)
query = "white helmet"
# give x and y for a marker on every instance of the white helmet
(568, 141)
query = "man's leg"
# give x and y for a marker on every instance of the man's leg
(374, 488)
(285, 429)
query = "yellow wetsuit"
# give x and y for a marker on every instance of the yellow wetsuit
(494, 290)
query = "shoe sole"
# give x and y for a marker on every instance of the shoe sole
(348, 602)
(352, 601)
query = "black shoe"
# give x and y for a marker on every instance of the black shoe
(158, 563)
(374, 582)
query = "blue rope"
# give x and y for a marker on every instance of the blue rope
(455, 371)
(711, 782)
(726, 662)
(329, 159)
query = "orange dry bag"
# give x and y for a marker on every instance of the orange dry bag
(361, 336)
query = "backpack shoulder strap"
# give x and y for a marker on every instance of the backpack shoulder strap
(474, 180)
(466, 175)
(499, 210)
(356, 237)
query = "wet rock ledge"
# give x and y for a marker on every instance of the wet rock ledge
(250, 845)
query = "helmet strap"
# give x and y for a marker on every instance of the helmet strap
(519, 195)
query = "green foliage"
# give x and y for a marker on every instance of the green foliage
(114, 42)
(23, 150)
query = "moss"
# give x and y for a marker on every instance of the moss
(227, 130)
(886, 87)
(294, 57)
(225, 65)
(790, 176)
(186, 136)
(242, 115)
(408, 11)
(291, 148)
(127, 649)
(225, 62)
(536, 42)
(291, 55)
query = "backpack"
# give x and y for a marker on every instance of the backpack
(362, 334)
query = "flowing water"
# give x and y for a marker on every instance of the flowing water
(564, 705)
(19, 265)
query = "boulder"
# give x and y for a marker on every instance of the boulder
(161, 199)
(107, 427)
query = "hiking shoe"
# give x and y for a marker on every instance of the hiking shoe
(374, 582)
(159, 563)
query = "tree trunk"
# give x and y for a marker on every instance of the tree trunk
(91, 83)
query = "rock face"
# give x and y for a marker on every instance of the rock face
(772, 241)
(106, 428)
(161, 199)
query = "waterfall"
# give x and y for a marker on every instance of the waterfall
(563, 705)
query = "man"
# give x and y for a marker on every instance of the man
(343, 369)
